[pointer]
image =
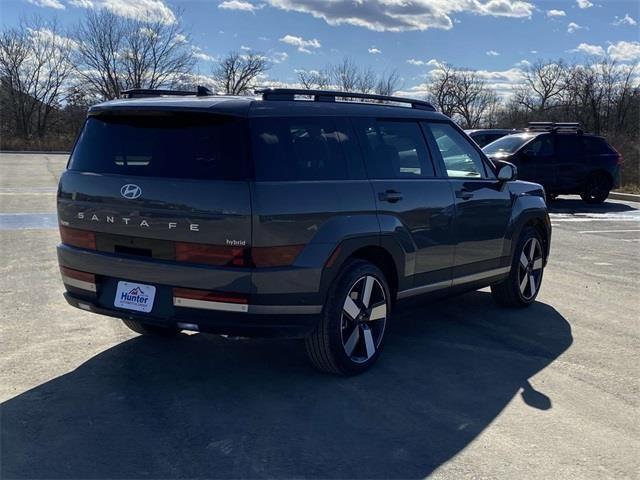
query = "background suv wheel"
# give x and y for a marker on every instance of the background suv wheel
(521, 287)
(597, 188)
(350, 334)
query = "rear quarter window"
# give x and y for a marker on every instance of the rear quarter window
(298, 149)
(194, 146)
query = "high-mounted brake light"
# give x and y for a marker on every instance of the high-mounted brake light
(78, 238)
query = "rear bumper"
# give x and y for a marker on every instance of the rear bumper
(288, 314)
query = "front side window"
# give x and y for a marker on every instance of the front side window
(540, 147)
(460, 158)
(394, 149)
(297, 149)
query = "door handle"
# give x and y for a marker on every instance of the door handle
(390, 196)
(464, 194)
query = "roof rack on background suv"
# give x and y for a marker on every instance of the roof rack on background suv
(558, 127)
(150, 92)
(332, 96)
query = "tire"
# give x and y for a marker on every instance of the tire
(350, 333)
(521, 287)
(596, 189)
(147, 329)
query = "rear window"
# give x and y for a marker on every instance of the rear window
(595, 146)
(195, 146)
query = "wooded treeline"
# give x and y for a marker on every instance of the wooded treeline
(49, 76)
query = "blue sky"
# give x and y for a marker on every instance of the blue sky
(497, 37)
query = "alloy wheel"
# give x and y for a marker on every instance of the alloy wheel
(363, 320)
(530, 268)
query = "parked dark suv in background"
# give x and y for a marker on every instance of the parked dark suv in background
(562, 158)
(485, 136)
(299, 213)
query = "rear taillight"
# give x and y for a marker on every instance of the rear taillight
(275, 256)
(78, 279)
(212, 254)
(78, 238)
(620, 159)
(260, 257)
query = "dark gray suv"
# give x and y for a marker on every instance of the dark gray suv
(298, 213)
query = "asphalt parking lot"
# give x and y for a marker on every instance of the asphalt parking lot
(464, 389)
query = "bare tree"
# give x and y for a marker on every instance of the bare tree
(314, 79)
(366, 80)
(116, 53)
(34, 66)
(236, 74)
(442, 91)
(345, 75)
(543, 85)
(387, 84)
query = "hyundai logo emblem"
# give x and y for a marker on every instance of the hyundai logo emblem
(130, 191)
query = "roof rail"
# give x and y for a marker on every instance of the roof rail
(557, 127)
(331, 96)
(150, 92)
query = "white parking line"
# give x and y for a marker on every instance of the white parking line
(608, 231)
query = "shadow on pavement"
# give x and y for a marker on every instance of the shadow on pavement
(576, 205)
(206, 406)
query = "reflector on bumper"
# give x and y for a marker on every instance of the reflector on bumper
(78, 279)
(188, 298)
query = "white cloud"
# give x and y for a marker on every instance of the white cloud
(180, 38)
(278, 57)
(398, 15)
(574, 27)
(374, 51)
(420, 63)
(47, 4)
(492, 53)
(588, 49)
(523, 63)
(239, 5)
(300, 43)
(626, 20)
(202, 55)
(624, 51)
(556, 13)
(584, 3)
(153, 10)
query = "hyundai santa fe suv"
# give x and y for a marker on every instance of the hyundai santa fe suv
(562, 158)
(296, 213)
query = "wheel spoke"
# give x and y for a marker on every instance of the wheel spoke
(368, 341)
(352, 341)
(351, 308)
(378, 312)
(524, 261)
(523, 284)
(366, 294)
(537, 264)
(532, 252)
(532, 282)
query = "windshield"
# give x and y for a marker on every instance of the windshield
(507, 145)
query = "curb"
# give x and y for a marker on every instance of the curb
(629, 197)
(36, 152)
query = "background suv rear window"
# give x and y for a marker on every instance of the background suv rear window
(193, 146)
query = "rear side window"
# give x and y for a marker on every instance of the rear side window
(394, 149)
(297, 149)
(595, 146)
(196, 146)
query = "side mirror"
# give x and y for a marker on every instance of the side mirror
(507, 172)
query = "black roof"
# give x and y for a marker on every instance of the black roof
(275, 102)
